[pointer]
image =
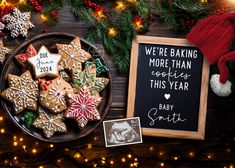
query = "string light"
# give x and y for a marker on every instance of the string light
(151, 148)
(40, 167)
(51, 146)
(203, 2)
(129, 156)
(58, 161)
(162, 164)
(209, 156)
(34, 151)
(24, 147)
(2, 130)
(120, 6)
(14, 137)
(231, 166)
(77, 155)
(3, 4)
(89, 146)
(111, 162)
(136, 159)
(43, 18)
(1, 118)
(15, 143)
(123, 160)
(191, 154)
(176, 158)
(21, 139)
(86, 160)
(112, 32)
(22, 1)
(15, 158)
(161, 153)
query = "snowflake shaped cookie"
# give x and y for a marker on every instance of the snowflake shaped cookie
(3, 51)
(83, 107)
(49, 123)
(88, 78)
(72, 54)
(23, 58)
(52, 94)
(18, 23)
(22, 92)
(45, 63)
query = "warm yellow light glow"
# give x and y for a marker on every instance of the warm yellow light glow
(132, 1)
(123, 160)
(191, 154)
(103, 162)
(34, 150)
(162, 164)
(203, 2)
(77, 155)
(21, 139)
(136, 164)
(15, 158)
(111, 162)
(209, 156)
(15, 143)
(40, 167)
(14, 137)
(58, 161)
(1, 118)
(231, 166)
(136, 159)
(51, 146)
(24, 147)
(3, 3)
(22, 1)
(151, 148)
(120, 6)
(176, 158)
(2, 130)
(86, 160)
(95, 138)
(129, 156)
(103, 158)
(230, 2)
(43, 18)
(161, 153)
(112, 32)
(131, 165)
(89, 146)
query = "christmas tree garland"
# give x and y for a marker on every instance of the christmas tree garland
(119, 21)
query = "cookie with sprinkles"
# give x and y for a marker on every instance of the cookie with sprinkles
(88, 78)
(22, 92)
(53, 93)
(72, 54)
(50, 123)
(83, 107)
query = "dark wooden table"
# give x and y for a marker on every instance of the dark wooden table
(217, 150)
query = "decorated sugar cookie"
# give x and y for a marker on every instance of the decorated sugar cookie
(45, 63)
(83, 107)
(22, 58)
(72, 54)
(52, 94)
(3, 51)
(49, 123)
(100, 67)
(89, 79)
(22, 92)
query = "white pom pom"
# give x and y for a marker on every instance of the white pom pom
(218, 88)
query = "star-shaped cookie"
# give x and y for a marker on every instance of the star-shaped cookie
(3, 51)
(22, 58)
(72, 54)
(49, 123)
(88, 78)
(83, 107)
(18, 23)
(53, 93)
(45, 63)
(22, 92)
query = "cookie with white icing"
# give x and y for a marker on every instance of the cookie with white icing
(22, 92)
(72, 54)
(53, 94)
(50, 123)
(45, 63)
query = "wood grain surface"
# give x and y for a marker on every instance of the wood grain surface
(220, 119)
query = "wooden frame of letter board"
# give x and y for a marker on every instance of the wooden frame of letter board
(132, 89)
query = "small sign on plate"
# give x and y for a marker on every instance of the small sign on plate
(122, 132)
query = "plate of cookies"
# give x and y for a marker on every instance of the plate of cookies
(56, 87)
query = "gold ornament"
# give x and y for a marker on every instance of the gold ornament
(112, 32)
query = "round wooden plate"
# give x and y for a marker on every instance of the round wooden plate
(12, 67)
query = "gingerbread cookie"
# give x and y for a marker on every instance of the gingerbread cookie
(22, 92)
(22, 58)
(72, 54)
(83, 107)
(89, 79)
(52, 94)
(100, 67)
(3, 51)
(45, 63)
(49, 123)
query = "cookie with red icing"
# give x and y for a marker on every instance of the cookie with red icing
(83, 107)
(53, 94)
